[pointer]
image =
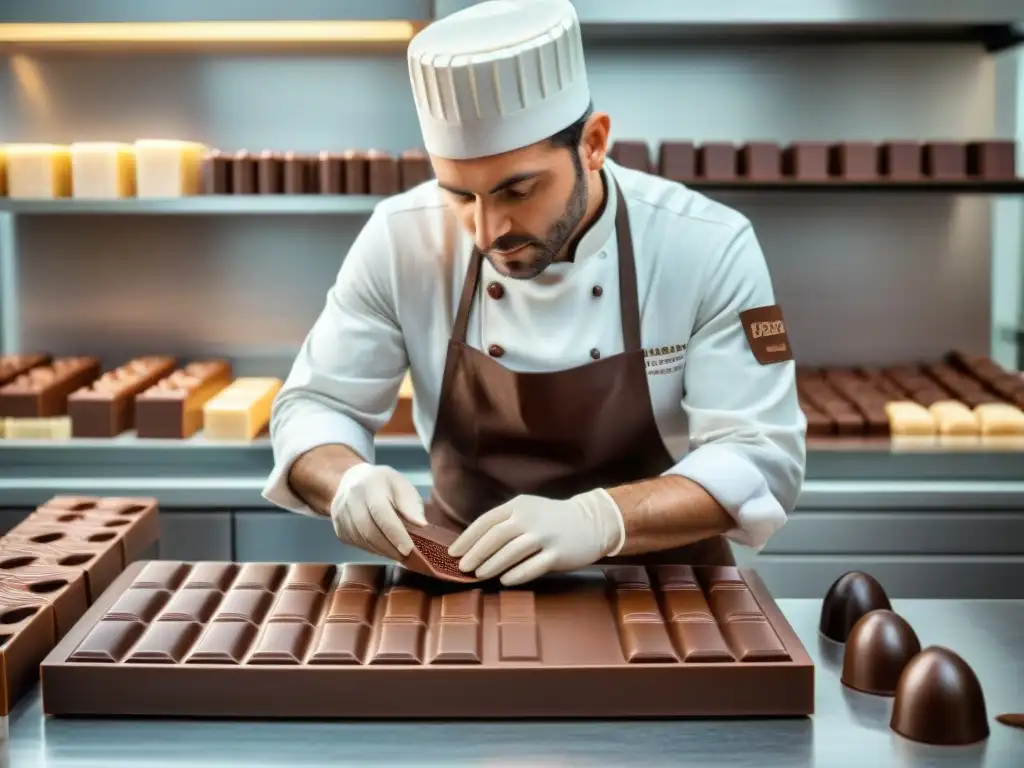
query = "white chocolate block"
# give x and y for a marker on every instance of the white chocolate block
(241, 410)
(102, 170)
(907, 418)
(54, 428)
(38, 171)
(1000, 420)
(954, 419)
(168, 168)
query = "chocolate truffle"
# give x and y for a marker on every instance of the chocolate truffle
(853, 595)
(939, 700)
(877, 651)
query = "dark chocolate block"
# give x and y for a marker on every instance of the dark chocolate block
(173, 407)
(43, 391)
(244, 173)
(632, 154)
(760, 161)
(900, 160)
(854, 161)
(414, 168)
(992, 160)
(298, 175)
(330, 173)
(357, 172)
(670, 641)
(945, 160)
(717, 161)
(677, 161)
(806, 161)
(382, 172)
(270, 173)
(846, 419)
(217, 173)
(104, 408)
(13, 366)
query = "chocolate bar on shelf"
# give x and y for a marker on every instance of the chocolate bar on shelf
(300, 173)
(806, 161)
(992, 160)
(760, 161)
(104, 408)
(813, 389)
(818, 424)
(945, 160)
(382, 173)
(854, 161)
(414, 168)
(173, 407)
(244, 173)
(900, 160)
(717, 161)
(357, 172)
(217, 173)
(330, 173)
(867, 400)
(677, 161)
(270, 173)
(632, 154)
(43, 391)
(13, 366)
(243, 640)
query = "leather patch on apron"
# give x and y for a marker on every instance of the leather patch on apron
(766, 334)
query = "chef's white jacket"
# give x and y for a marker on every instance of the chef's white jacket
(732, 424)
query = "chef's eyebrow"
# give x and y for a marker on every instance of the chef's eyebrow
(505, 183)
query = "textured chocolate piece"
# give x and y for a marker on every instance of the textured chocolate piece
(939, 700)
(992, 160)
(669, 641)
(173, 407)
(900, 160)
(677, 161)
(854, 161)
(104, 408)
(297, 174)
(100, 562)
(806, 161)
(632, 154)
(330, 173)
(414, 168)
(217, 173)
(430, 556)
(382, 173)
(244, 173)
(877, 650)
(852, 596)
(760, 161)
(717, 161)
(63, 588)
(13, 366)
(43, 391)
(28, 631)
(270, 173)
(357, 172)
(945, 160)
(1013, 720)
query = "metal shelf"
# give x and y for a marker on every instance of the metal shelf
(200, 205)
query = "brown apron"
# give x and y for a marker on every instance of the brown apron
(500, 434)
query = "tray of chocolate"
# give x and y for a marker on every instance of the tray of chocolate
(53, 565)
(895, 163)
(271, 640)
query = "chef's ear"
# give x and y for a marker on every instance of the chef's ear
(594, 142)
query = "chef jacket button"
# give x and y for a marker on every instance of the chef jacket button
(495, 290)
(597, 290)
(495, 351)
(595, 353)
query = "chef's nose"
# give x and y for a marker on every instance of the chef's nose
(489, 223)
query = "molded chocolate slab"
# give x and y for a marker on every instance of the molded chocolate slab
(677, 161)
(632, 154)
(173, 406)
(717, 161)
(43, 390)
(218, 173)
(12, 366)
(806, 161)
(945, 160)
(992, 160)
(104, 407)
(760, 161)
(900, 160)
(669, 641)
(854, 161)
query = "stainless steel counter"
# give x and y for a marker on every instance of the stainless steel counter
(848, 729)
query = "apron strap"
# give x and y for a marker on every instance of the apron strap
(629, 302)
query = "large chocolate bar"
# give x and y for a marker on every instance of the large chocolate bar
(717, 161)
(632, 154)
(173, 407)
(104, 408)
(12, 366)
(900, 160)
(382, 173)
(286, 641)
(677, 161)
(414, 168)
(846, 420)
(854, 161)
(760, 161)
(43, 391)
(992, 160)
(867, 400)
(806, 161)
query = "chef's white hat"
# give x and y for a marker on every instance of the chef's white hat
(498, 76)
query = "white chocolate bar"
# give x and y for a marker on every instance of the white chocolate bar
(168, 168)
(38, 171)
(907, 418)
(954, 419)
(1000, 420)
(241, 410)
(104, 170)
(53, 428)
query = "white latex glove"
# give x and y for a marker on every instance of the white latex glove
(368, 508)
(538, 536)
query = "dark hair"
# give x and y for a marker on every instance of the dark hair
(571, 136)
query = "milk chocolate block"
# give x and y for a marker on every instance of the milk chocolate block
(29, 633)
(760, 161)
(43, 391)
(13, 366)
(717, 161)
(879, 647)
(218, 173)
(357, 172)
(992, 160)
(270, 173)
(414, 168)
(900, 160)
(818, 424)
(854, 161)
(677, 161)
(244, 173)
(632, 154)
(104, 407)
(330, 173)
(382, 170)
(298, 174)
(242, 641)
(61, 587)
(173, 407)
(852, 596)
(945, 160)
(806, 161)
(939, 700)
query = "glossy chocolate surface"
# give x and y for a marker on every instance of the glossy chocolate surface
(877, 650)
(851, 596)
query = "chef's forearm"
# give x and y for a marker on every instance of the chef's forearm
(667, 512)
(315, 475)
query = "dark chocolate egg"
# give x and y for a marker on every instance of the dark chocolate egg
(853, 595)
(877, 651)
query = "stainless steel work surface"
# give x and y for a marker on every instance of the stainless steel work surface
(848, 729)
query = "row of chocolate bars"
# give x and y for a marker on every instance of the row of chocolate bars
(53, 566)
(46, 398)
(965, 396)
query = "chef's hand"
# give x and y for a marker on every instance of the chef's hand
(532, 536)
(368, 508)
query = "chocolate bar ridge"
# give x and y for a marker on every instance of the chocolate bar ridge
(43, 391)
